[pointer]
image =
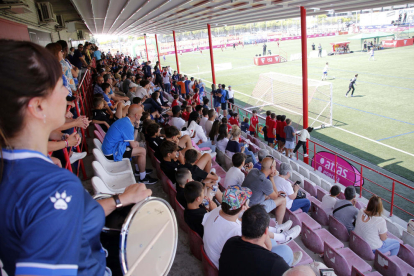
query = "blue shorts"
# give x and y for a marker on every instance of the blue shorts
(223, 106)
(270, 140)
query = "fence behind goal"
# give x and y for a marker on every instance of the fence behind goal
(282, 94)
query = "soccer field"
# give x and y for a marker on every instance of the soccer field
(376, 125)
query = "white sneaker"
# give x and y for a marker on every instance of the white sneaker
(297, 256)
(283, 227)
(213, 154)
(306, 155)
(127, 103)
(205, 151)
(291, 234)
(77, 156)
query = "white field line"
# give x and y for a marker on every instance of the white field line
(363, 137)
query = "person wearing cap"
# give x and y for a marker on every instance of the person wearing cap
(283, 185)
(231, 96)
(253, 253)
(265, 191)
(261, 155)
(345, 211)
(224, 222)
(176, 120)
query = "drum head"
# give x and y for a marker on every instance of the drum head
(149, 238)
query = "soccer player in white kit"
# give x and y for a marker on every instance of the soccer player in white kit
(371, 54)
(325, 71)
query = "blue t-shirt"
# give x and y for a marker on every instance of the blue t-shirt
(223, 95)
(233, 146)
(97, 54)
(50, 225)
(187, 88)
(257, 166)
(118, 137)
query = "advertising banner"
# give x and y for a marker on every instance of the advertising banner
(397, 43)
(346, 174)
(259, 61)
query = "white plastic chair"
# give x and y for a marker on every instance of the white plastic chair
(116, 183)
(325, 185)
(269, 149)
(294, 165)
(408, 238)
(295, 176)
(315, 178)
(97, 144)
(284, 159)
(276, 155)
(303, 171)
(111, 166)
(100, 187)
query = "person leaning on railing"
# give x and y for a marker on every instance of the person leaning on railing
(49, 222)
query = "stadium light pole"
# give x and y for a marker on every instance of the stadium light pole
(304, 73)
(176, 55)
(146, 48)
(210, 43)
(158, 53)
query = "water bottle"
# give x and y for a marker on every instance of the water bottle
(205, 203)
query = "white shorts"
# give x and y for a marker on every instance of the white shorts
(290, 145)
(269, 205)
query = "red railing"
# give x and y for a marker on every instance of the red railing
(389, 193)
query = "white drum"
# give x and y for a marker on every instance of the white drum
(149, 238)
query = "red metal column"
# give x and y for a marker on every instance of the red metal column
(146, 49)
(210, 43)
(159, 60)
(176, 54)
(304, 72)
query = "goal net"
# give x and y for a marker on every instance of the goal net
(282, 94)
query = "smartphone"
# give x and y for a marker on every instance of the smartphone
(326, 271)
(284, 195)
(297, 182)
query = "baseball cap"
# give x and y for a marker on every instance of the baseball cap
(176, 109)
(285, 168)
(229, 86)
(133, 84)
(236, 196)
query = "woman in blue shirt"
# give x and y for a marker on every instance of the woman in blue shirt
(50, 224)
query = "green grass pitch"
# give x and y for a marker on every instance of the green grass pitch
(382, 109)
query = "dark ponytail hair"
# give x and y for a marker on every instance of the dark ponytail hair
(27, 70)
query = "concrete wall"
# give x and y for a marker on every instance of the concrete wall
(31, 20)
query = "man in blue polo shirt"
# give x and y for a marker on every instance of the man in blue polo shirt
(223, 99)
(119, 143)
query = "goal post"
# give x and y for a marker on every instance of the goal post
(282, 94)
